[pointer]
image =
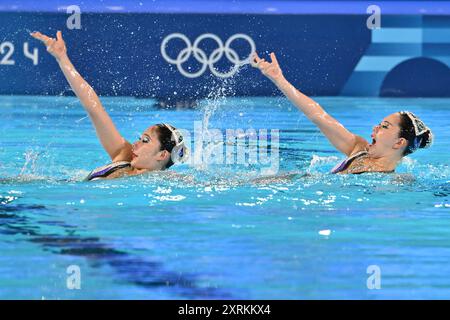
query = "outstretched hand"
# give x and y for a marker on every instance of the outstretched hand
(56, 47)
(271, 70)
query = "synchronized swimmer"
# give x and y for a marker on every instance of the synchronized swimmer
(157, 148)
(161, 145)
(398, 135)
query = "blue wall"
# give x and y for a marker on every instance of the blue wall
(119, 53)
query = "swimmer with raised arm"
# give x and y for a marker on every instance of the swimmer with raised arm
(157, 149)
(398, 135)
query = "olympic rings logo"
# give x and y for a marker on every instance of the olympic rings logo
(201, 56)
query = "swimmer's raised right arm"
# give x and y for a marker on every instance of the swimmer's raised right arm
(112, 141)
(337, 134)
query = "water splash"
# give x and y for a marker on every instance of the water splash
(31, 158)
(220, 90)
(318, 162)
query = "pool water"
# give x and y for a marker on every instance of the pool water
(219, 231)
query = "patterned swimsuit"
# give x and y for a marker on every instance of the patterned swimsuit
(103, 172)
(346, 163)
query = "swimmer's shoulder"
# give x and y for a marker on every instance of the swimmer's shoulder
(120, 173)
(110, 171)
(361, 144)
(125, 153)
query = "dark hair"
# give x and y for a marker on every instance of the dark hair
(408, 132)
(167, 142)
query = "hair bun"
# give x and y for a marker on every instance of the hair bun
(426, 139)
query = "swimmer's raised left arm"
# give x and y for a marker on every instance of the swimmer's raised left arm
(337, 134)
(112, 141)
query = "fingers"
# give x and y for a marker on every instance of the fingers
(258, 62)
(274, 58)
(263, 64)
(59, 36)
(254, 60)
(267, 68)
(41, 37)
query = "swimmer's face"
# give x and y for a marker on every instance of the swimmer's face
(385, 137)
(147, 152)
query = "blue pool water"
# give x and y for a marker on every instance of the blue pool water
(219, 231)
